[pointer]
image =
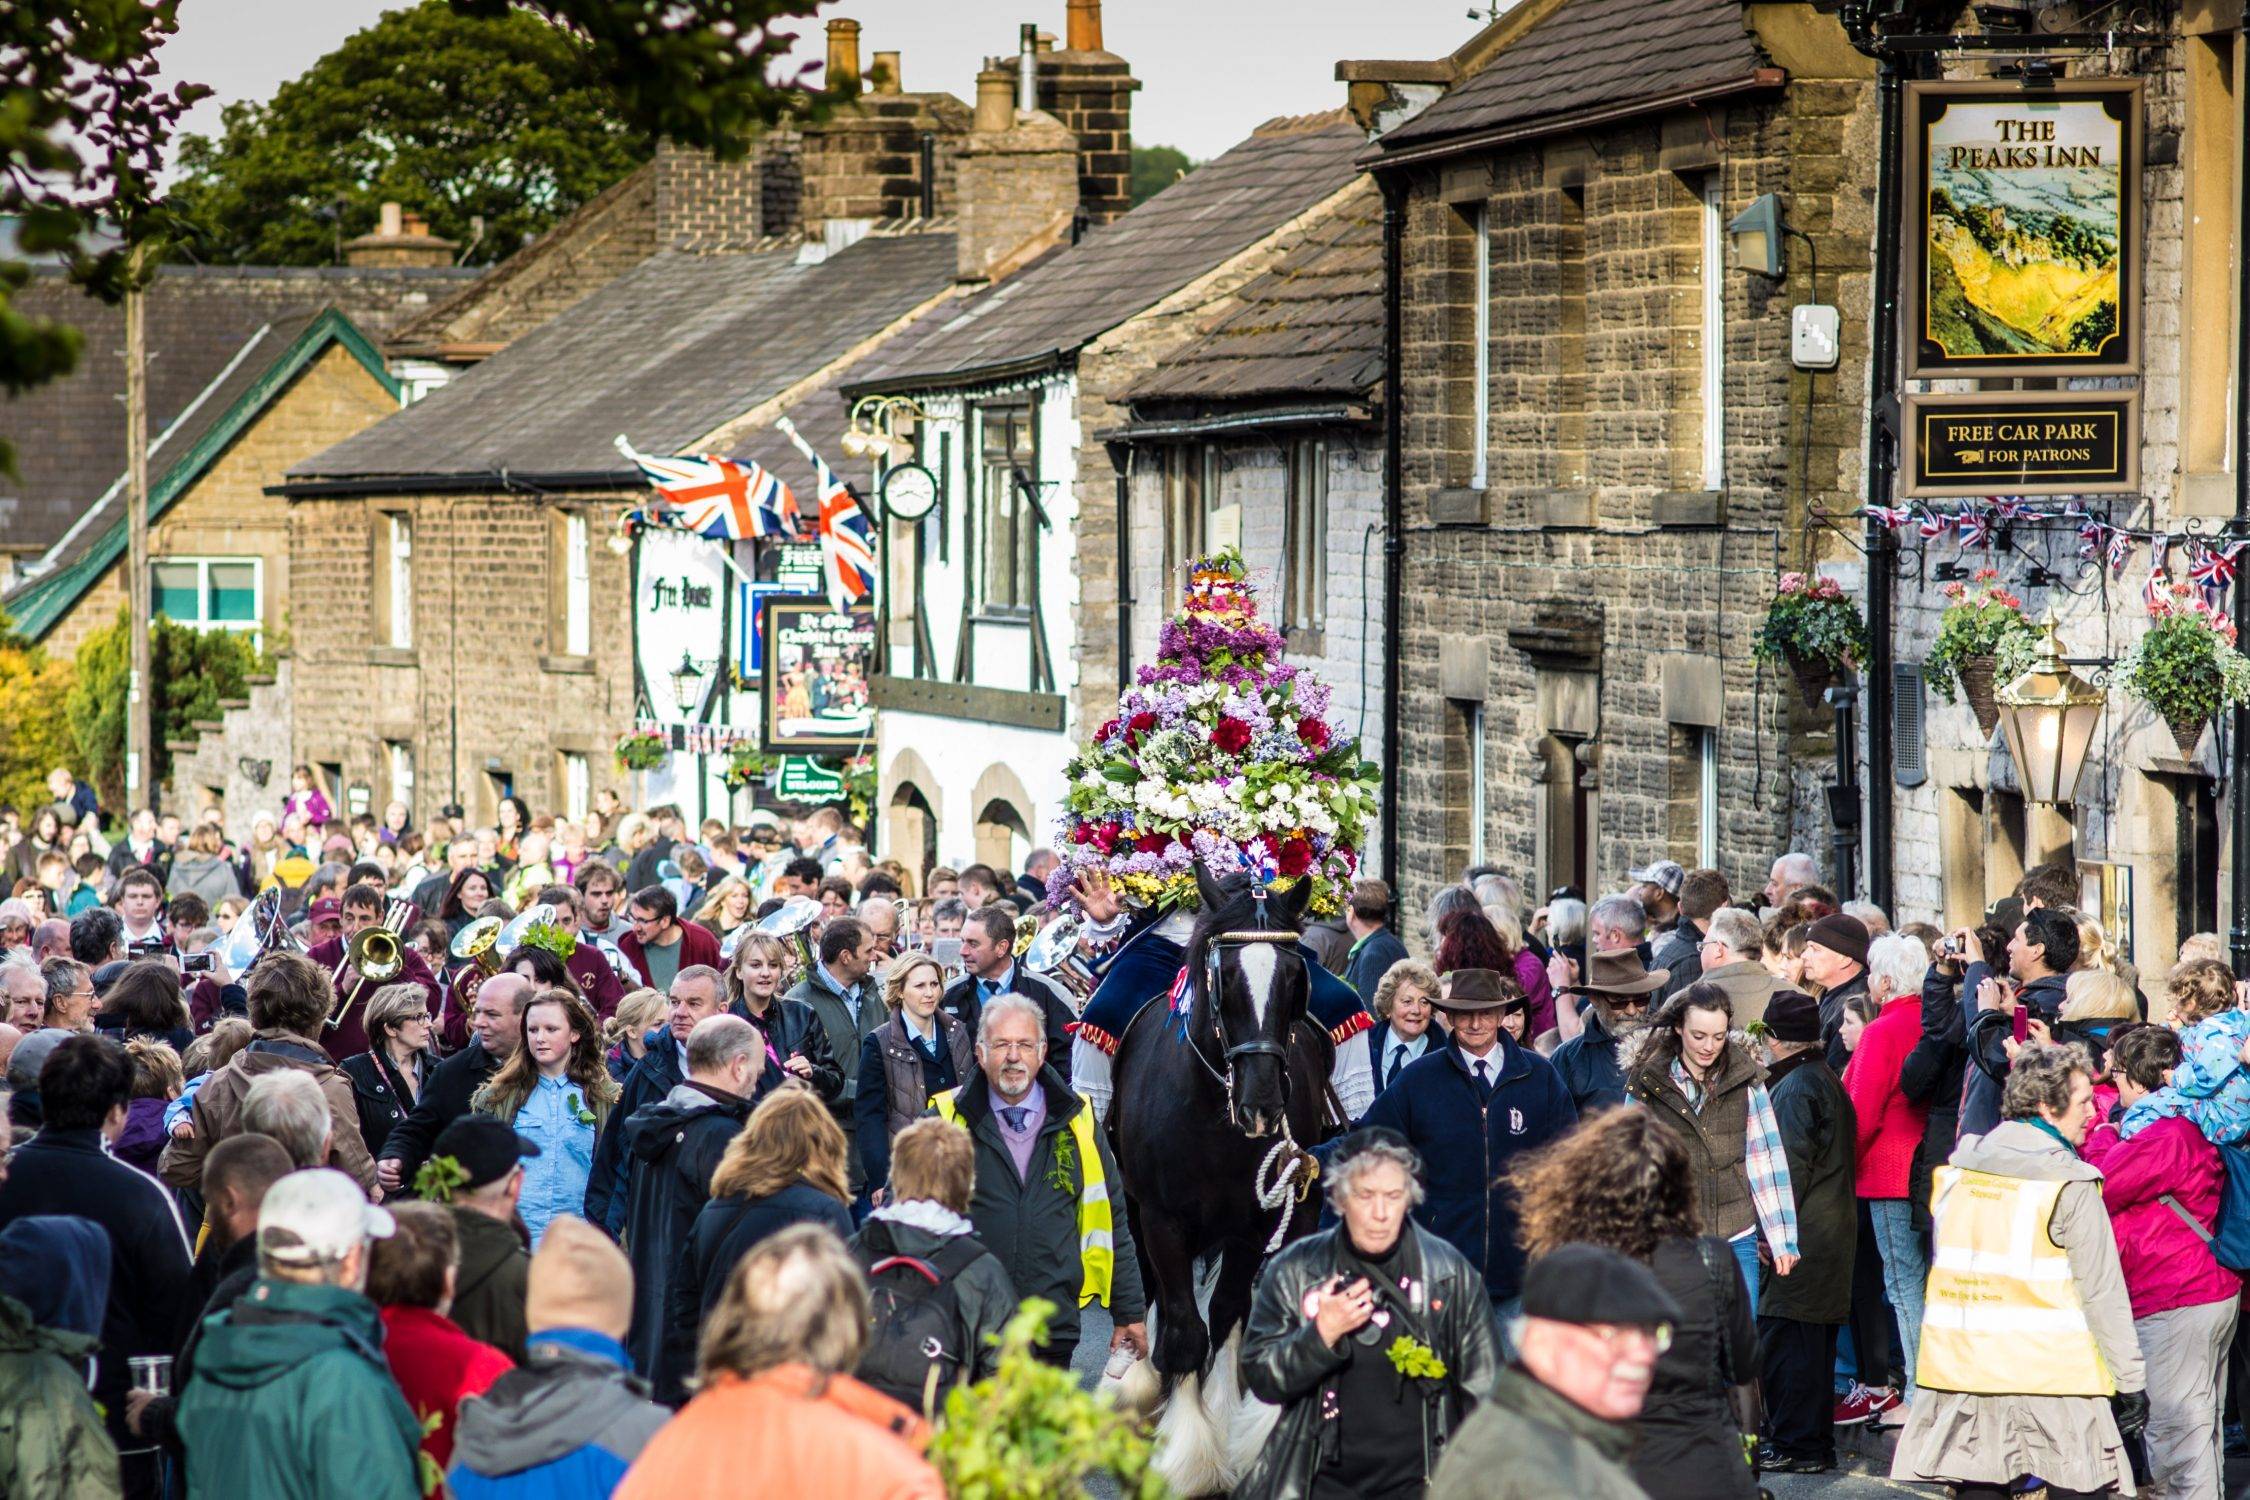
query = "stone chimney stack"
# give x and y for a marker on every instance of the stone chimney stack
(842, 76)
(1017, 180)
(866, 161)
(400, 239)
(885, 77)
(1090, 92)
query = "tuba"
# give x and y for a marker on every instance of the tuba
(476, 945)
(1027, 932)
(1054, 954)
(256, 933)
(375, 956)
(794, 922)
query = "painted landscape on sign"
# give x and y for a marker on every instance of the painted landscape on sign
(2022, 257)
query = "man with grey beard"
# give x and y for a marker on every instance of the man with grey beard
(1618, 988)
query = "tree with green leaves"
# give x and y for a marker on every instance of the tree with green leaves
(83, 130)
(1156, 168)
(459, 118)
(192, 671)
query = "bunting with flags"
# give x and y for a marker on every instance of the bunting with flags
(718, 499)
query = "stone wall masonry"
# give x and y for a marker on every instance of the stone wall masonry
(241, 765)
(1614, 536)
(865, 162)
(478, 690)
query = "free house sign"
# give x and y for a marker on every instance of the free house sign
(2022, 443)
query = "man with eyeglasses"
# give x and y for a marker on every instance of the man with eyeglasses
(1560, 1419)
(1042, 1202)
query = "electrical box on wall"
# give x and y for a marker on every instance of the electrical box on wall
(1815, 331)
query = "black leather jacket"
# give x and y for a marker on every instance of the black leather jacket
(1285, 1361)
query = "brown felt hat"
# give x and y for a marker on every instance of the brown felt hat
(1476, 989)
(1618, 971)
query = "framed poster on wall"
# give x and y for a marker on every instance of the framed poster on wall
(2022, 245)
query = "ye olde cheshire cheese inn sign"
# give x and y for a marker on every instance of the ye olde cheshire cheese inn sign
(2022, 260)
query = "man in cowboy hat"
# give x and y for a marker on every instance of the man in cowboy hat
(1620, 989)
(1469, 1107)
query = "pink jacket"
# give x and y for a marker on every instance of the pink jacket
(1889, 1124)
(2167, 1265)
(1532, 975)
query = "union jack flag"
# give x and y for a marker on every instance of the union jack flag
(847, 542)
(719, 499)
(2157, 592)
(2120, 551)
(1888, 516)
(1932, 526)
(2213, 570)
(2009, 508)
(1976, 528)
(2090, 537)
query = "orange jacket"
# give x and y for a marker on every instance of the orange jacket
(847, 1442)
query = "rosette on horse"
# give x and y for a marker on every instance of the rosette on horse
(1223, 755)
(1218, 809)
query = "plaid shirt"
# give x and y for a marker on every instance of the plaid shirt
(1763, 1159)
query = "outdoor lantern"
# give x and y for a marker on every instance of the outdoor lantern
(1756, 233)
(2048, 715)
(687, 683)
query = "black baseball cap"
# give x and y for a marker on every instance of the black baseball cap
(1587, 1284)
(486, 1149)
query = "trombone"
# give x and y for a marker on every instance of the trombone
(375, 955)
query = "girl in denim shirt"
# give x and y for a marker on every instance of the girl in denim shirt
(556, 1092)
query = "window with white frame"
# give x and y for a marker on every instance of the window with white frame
(578, 587)
(1008, 462)
(209, 593)
(577, 785)
(1480, 436)
(1712, 224)
(398, 758)
(1305, 539)
(396, 541)
(1185, 471)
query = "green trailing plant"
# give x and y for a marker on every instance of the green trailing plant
(1988, 622)
(1029, 1431)
(191, 671)
(642, 750)
(1812, 620)
(2187, 666)
(747, 765)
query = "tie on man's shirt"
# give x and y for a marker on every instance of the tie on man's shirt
(1014, 1114)
(1484, 1076)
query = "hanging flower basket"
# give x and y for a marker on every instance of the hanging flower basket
(642, 750)
(2186, 667)
(746, 764)
(1983, 639)
(1814, 629)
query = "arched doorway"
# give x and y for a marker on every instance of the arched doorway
(910, 831)
(1003, 819)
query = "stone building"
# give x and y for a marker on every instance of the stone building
(1607, 455)
(1006, 613)
(2148, 828)
(1266, 431)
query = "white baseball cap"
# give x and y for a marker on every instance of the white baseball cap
(316, 1217)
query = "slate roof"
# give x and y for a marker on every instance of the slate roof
(1073, 296)
(70, 433)
(263, 367)
(1310, 326)
(664, 354)
(1594, 55)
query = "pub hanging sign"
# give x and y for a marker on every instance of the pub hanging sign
(2022, 246)
(2021, 443)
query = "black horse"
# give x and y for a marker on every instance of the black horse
(1198, 1108)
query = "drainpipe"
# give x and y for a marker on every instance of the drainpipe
(1121, 466)
(1394, 512)
(1027, 67)
(2238, 780)
(1882, 470)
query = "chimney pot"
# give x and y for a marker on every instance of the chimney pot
(390, 221)
(886, 74)
(1045, 41)
(415, 227)
(1027, 67)
(1085, 25)
(996, 102)
(843, 56)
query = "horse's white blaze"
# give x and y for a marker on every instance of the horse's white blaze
(1258, 960)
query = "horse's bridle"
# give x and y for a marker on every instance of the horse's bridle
(1213, 951)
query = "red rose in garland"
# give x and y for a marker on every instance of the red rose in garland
(1312, 732)
(1231, 736)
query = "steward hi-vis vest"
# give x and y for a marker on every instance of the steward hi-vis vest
(2002, 1316)
(1095, 1247)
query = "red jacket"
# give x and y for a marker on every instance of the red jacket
(697, 946)
(1890, 1124)
(597, 979)
(2167, 1265)
(348, 1037)
(435, 1365)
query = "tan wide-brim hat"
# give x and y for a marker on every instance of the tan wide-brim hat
(1619, 971)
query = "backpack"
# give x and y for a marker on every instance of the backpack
(919, 1342)
(2230, 1238)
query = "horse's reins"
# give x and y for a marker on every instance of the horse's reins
(1272, 1189)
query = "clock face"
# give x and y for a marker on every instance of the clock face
(909, 491)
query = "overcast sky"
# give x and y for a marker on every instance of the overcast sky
(1210, 70)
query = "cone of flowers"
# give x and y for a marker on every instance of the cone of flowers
(2187, 666)
(1983, 639)
(1221, 751)
(1813, 627)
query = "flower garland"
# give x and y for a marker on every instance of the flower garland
(1219, 751)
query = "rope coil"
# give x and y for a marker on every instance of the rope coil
(1276, 1193)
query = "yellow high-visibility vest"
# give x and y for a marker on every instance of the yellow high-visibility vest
(2002, 1315)
(1096, 1249)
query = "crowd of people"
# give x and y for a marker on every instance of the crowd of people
(748, 1138)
